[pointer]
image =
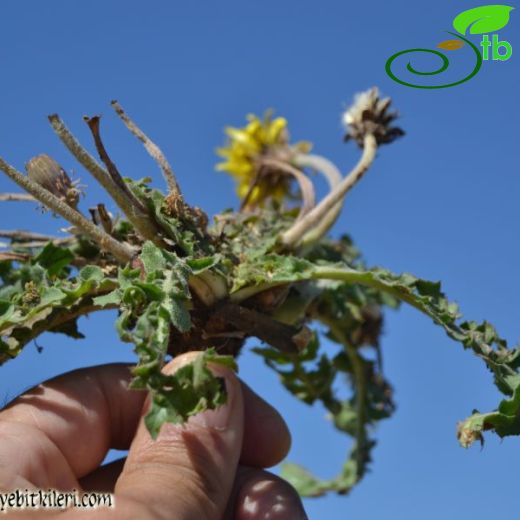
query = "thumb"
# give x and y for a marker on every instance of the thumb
(189, 470)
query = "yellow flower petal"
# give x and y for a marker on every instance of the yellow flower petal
(244, 147)
(275, 129)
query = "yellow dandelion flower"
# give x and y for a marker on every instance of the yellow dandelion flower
(244, 150)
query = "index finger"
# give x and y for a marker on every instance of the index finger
(80, 415)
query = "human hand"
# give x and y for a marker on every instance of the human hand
(57, 435)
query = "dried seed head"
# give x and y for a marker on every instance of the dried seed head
(369, 115)
(45, 171)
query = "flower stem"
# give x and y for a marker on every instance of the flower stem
(304, 182)
(113, 172)
(22, 197)
(140, 220)
(294, 235)
(154, 151)
(331, 172)
(19, 235)
(322, 165)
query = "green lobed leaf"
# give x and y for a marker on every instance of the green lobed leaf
(110, 299)
(192, 389)
(42, 302)
(310, 377)
(428, 298)
(302, 480)
(150, 306)
(179, 315)
(91, 273)
(270, 270)
(424, 295)
(54, 258)
(199, 265)
(152, 257)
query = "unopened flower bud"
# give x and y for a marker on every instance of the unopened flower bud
(45, 171)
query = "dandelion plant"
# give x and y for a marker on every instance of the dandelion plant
(270, 270)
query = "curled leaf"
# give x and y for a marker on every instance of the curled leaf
(483, 19)
(504, 421)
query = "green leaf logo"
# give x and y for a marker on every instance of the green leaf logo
(484, 19)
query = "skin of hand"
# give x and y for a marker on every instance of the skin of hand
(57, 435)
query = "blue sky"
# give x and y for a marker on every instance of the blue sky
(440, 203)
